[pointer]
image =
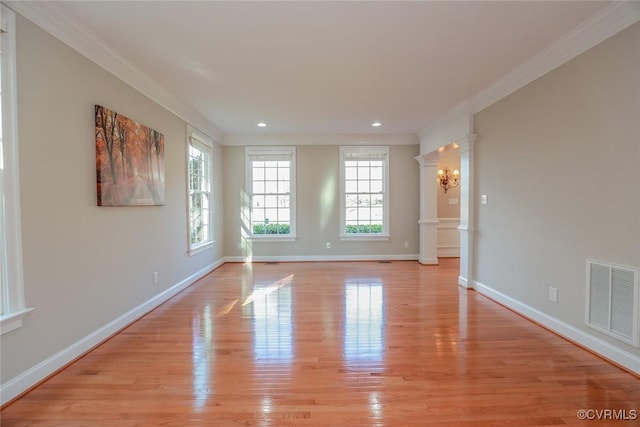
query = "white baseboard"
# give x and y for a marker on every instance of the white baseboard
(462, 281)
(429, 261)
(448, 251)
(595, 344)
(23, 382)
(325, 258)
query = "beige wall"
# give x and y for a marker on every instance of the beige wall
(318, 205)
(86, 265)
(559, 160)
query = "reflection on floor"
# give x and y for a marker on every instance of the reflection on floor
(363, 324)
(330, 344)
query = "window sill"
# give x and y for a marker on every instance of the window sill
(364, 237)
(12, 321)
(201, 248)
(273, 238)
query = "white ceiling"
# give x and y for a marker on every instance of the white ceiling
(325, 67)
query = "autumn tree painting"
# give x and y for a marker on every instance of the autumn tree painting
(129, 161)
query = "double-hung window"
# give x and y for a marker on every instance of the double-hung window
(12, 304)
(199, 160)
(271, 187)
(364, 193)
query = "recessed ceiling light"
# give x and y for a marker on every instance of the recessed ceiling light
(376, 124)
(262, 124)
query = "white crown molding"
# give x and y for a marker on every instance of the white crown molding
(51, 17)
(462, 109)
(600, 27)
(321, 139)
(610, 21)
(428, 159)
(466, 142)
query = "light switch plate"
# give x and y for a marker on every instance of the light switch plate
(484, 199)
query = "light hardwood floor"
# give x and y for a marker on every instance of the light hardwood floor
(331, 344)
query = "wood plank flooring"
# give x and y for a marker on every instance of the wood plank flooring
(332, 344)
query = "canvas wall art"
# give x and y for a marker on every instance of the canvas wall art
(129, 161)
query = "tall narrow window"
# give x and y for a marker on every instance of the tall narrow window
(200, 191)
(12, 305)
(364, 184)
(271, 186)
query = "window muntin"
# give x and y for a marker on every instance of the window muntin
(271, 187)
(364, 184)
(364, 196)
(271, 197)
(200, 191)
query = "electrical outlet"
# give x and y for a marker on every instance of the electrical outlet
(484, 199)
(156, 278)
(553, 294)
(328, 245)
(406, 245)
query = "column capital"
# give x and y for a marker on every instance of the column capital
(428, 159)
(466, 142)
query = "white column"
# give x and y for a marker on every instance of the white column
(466, 228)
(428, 208)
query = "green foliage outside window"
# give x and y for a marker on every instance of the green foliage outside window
(363, 228)
(271, 229)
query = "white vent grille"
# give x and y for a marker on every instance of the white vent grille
(612, 301)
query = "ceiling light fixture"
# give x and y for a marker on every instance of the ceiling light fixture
(262, 125)
(376, 124)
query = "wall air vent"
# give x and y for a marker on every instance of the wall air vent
(612, 301)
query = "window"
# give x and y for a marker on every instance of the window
(364, 200)
(200, 191)
(12, 306)
(271, 186)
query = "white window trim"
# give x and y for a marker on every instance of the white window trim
(13, 290)
(201, 141)
(272, 151)
(364, 153)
